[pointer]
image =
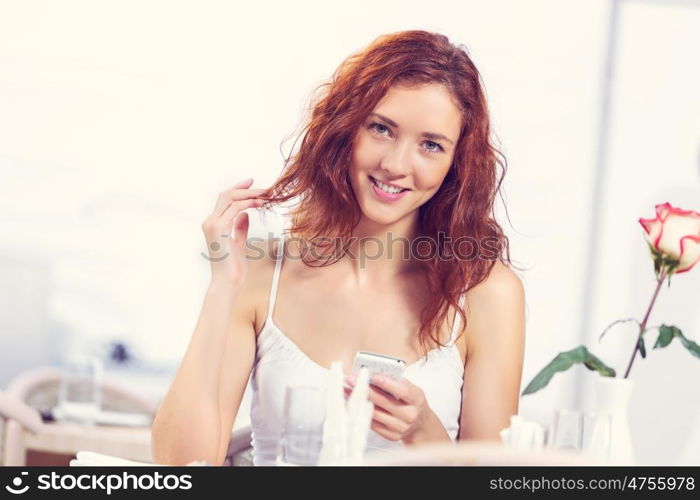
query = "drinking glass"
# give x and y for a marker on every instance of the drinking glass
(79, 392)
(304, 416)
(566, 432)
(597, 431)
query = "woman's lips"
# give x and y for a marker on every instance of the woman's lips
(384, 196)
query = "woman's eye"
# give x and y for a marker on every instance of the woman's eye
(432, 146)
(436, 147)
(381, 129)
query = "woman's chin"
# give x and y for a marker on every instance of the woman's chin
(373, 216)
(377, 212)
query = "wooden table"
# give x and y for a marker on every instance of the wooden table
(480, 453)
(67, 438)
(58, 442)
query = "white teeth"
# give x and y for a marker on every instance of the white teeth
(385, 188)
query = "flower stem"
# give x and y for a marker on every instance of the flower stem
(643, 324)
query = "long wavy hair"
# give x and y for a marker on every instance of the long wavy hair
(317, 174)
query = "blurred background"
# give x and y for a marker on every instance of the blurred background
(120, 122)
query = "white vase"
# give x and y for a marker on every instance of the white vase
(612, 395)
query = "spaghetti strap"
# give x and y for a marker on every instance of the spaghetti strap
(456, 321)
(275, 279)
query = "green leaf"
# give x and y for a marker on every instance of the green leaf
(690, 345)
(595, 364)
(668, 333)
(657, 257)
(642, 349)
(615, 323)
(665, 336)
(656, 254)
(562, 362)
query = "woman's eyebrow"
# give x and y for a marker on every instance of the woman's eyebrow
(429, 135)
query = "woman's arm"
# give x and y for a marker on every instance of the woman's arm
(191, 421)
(195, 418)
(495, 337)
(188, 425)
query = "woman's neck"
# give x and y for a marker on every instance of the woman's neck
(382, 251)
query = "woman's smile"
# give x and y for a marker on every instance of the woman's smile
(387, 192)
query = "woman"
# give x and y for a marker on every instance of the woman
(393, 249)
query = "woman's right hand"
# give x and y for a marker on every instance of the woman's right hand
(227, 256)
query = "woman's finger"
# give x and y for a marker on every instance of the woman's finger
(244, 183)
(384, 431)
(240, 230)
(233, 195)
(383, 400)
(400, 389)
(390, 421)
(220, 227)
(235, 208)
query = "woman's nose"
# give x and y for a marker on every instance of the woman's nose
(397, 160)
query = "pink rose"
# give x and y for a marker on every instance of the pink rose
(675, 234)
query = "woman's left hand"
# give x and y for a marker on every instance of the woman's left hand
(400, 408)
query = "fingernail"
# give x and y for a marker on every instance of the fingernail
(350, 379)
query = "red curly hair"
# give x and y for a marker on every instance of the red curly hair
(317, 174)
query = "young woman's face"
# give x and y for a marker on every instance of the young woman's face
(406, 143)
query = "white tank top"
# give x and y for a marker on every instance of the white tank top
(279, 362)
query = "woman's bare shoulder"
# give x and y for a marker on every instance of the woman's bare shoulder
(495, 308)
(502, 283)
(261, 256)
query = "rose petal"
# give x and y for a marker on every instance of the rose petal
(690, 253)
(675, 227)
(652, 228)
(663, 210)
(680, 211)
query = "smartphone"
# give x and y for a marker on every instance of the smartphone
(378, 364)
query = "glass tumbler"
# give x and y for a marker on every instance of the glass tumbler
(79, 392)
(304, 417)
(566, 432)
(597, 431)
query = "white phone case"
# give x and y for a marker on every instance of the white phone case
(378, 363)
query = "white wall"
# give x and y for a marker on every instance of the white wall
(654, 157)
(121, 122)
